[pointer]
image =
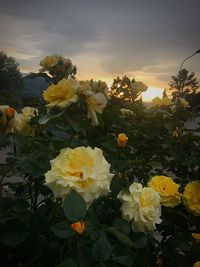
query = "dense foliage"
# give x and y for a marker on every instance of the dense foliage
(93, 222)
(10, 78)
(183, 84)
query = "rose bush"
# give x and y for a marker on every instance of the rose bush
(92, 179)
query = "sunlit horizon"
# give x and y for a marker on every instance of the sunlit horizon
(151, 93)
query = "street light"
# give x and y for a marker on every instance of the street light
(197, 52)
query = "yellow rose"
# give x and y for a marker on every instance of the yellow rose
(29, 112)
(82, 169)
(78, 227)
(21, 122)
(96, 103)
(141, 206)
(122, 139)
(191, 197)
(85, 89)
(197, 264)
(100, 87)
(168, 190)
(50, 61)
(62, 94)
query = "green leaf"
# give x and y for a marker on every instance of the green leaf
(77, 126)
(62, 230)
(60, 135)
(43, 120)
(140, 240)
(122, 237)
(122, 225)
(102, 249)
(68, 263)
(75, 207)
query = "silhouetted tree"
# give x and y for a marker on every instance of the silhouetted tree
(184, 83)
(10, 78)
(10, 75)
(127, 89)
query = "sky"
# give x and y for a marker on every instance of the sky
(144, 39)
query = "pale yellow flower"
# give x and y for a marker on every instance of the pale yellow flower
(56, 65)
(50, 61)
(100, 87)
(85, 89)
(62, 94)
(168, 190)
(191, 197)
(16, 124)
(82, 169)
(96, 103)
(141, 206)
(21, 122)
(29, 112)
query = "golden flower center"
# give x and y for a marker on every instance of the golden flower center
(77, 162)
(144, 200)
(77, 174)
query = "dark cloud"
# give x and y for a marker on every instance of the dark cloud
(123, 36)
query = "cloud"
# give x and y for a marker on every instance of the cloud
(105, 38)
